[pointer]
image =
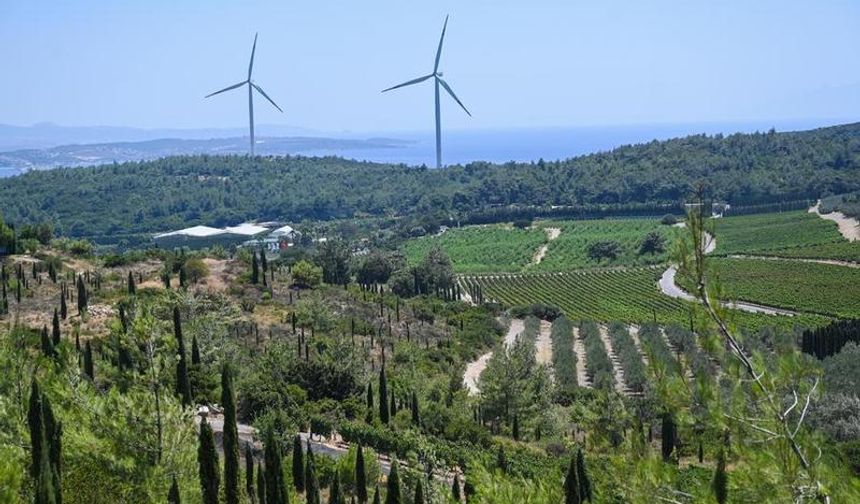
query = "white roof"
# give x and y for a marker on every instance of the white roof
(285, 230)
(196, 231)
(246, 229)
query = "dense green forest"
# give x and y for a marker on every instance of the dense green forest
(744, 169)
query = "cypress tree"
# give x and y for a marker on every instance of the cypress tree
(261, 485)
(668, 437)
(183, 279)
(721, 479)
(89, 368)
(393, 405)
(173, 494)
(392, 495)
(264, 264)
(312, 486)
(55, 328)
(255, 269)
(360, 475)
(183, 385)
(249, 471)
(376, 499)
(416, 416)
(53, 432)
(82, 295)
(455, 488)
(47, 344)
(502, 459)
(419, 493)
(132, 289)
(370, 395)
(571, 485)
(335, 495)
(231, 438)
(582, 476)
(298, 468)
(195, 351)
(276, 491)
(383, 396)
(207, 460)
(468, 489)
(34, 422)
(516, 428)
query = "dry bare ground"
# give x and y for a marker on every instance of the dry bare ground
(543, 345)
(618, 373)
(579, 350)
(848, 227)
(551, 234)
(476, 367)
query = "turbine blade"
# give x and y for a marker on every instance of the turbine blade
(258, 88)
(253, 50)
(451, 92)
(234, 86)
(409, 83)
(439, 50)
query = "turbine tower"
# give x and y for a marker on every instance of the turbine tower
(251, 87)
(437, 77)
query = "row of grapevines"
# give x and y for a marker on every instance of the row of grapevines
(628, 354)
(684, 341)
(563, 356)
(655, 347)
(598, 366)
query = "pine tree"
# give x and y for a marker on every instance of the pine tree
(89, 368)
(572, 486)
(231, 438)
(132, 289)
(183, 385)
(276, 491)
(360, 475)
(419, 493)
(298, 468)
(721, 479)
(55, 328)
(249, 471)
(383, 396)
(173, 495)
(416, 416)
(335, 495)
(582, 476)
(455, 488)
(261, 485)
(207, 460)
(392, 494)
(312, 486)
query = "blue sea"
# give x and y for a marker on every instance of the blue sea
(526, 144)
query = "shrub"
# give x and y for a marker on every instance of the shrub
(669, 220)
(305, 274)
(606, 249)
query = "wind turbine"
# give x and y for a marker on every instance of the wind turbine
(437, 77)
(251, 87)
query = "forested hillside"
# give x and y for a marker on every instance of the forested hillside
(180, 191)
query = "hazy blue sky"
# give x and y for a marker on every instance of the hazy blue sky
(527, 63)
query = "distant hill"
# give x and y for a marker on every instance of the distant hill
(143, 197)
(19, 161)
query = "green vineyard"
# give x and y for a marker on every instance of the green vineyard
(629, 295)
(777, 234)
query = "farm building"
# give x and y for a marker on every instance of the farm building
(198, 237)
